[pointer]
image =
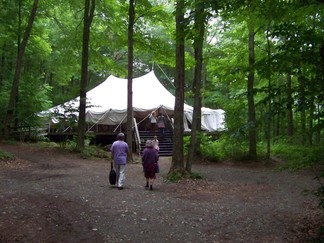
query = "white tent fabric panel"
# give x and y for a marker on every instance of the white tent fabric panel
(148, 94)
(110, 117)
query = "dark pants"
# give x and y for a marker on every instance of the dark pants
(161, 131)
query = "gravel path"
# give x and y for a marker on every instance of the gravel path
(48, 195)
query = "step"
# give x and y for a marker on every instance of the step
(165, 143)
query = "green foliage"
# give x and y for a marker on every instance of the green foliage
(6, 156)
(92, 151)
(186, 142)
(195, 175)
(225, 147)
(33, 98)
(67, 114)
(53, 56)
(70, 145)
(297, 157)
(174, 176)
(177, 176)
(89, 152)
(209, 149)
(47, 144)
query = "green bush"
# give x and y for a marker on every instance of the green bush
(47, 144)
(92, 151)
(226, 147)
(175, 176)
(211, 151)
(223, 148)
(6, 156)
(186, 142)
(296, 156)
(195, 175)
(69, 145)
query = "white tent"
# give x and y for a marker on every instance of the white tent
(107, 103)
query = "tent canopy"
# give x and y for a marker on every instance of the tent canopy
(107, 103)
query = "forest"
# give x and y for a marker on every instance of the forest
(260, 61)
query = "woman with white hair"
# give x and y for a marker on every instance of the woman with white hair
(119, 151)
(149, 161)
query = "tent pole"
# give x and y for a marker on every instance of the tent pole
(98, 120)
(166, 114)
(66, 129)
(147, 116)
(137, 136)
(120, 123)
(166, 75)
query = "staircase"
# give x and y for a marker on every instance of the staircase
(165, 143)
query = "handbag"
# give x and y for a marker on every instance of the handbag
(157, 168)
(112, 175)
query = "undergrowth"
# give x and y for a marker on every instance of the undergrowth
(6, 156)
(89, 151)
(215, 150)
(92, 151)
(177, 176)
(297, 157)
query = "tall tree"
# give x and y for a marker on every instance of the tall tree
(302, 107)
(250, 85)
(290, 102)
(268, 116)
(89, 8)
(177, 164)
(198, 40)
(19, 61)
(131, 20)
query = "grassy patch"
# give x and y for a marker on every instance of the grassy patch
(6, 156)
(298, 157)
(177, 176)
(195, 175)
(92, 151)
(174, 176)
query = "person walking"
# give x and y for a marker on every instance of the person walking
(155, 142)
(161, 124)
(119, 151)
(156, 147)
(149, 161)
(153, 120)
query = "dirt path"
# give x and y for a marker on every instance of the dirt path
(48, 195)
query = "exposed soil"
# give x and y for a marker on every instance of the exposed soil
(50, 195)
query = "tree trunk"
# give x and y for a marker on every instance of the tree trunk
(199, 30)
(302, 106)
(318, 126)
(250, 95)
(279, 117)
(129, 137)
(290, 123)
(88, 16)
(311, 121)
(269, 113)
(15, 82)
(2, 64)
(177, 164)
(16, 112)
